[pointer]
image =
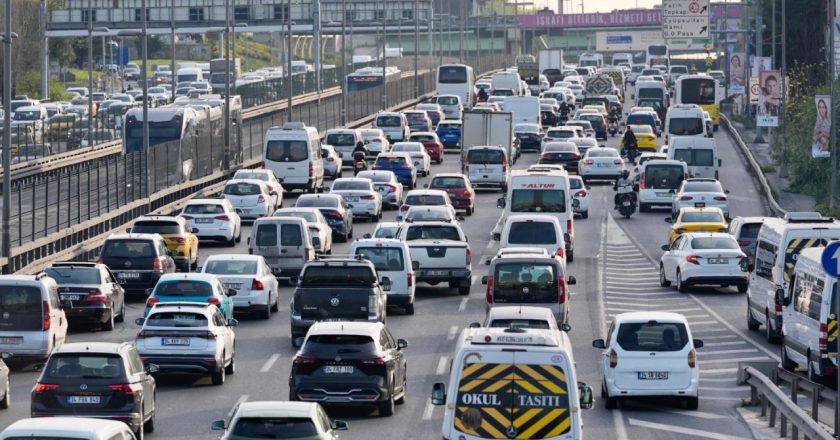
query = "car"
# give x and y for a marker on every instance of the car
(548, 116)
(583, 143)
(696, 220)
(431, 142)
(265, 175)
(373, 373)
(645, 117)
(176, 338)
(401, 164)
(287, 420)
(635, 173)
(460, 190)
(257, 289)
(528, 136)
(443, 213)
(137, 260)
(425, 197)
(195, 287)
(89, 292)
(494, 102)
(388, 186)
(584, 125)
(213, 219)
(123, 390)
(703, 258)
(345, 141)
(558, 134)
(179, 237)
(59, 126)
(449, 133)
(417, 152)
(285, 243)
(581, 194)
(521, 317)
(6, 387)
(745, 230)
(370, 134)
(38, 325)
(434, 111)
(451, 105)
(377, 145)
(332, 161)
(701, 193)
(649, 354)
(364, 199)
(335, 209)
(645, 137)
(386, 230)
(488, 166)
(710, 126)
(392, 260)
(599, 124)
(562, 153)
(77, 428)
(418, 120)
(319, 228)
(601, 163)
(252, 198)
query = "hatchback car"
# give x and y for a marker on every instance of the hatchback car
(401, 164)
(387, 184)
(90, 293)
(425, 197)
(649, 354)
(286, 420)
(213, 219)
(102, 380)
(460, 190)
(417, 152)
(179, 237)
(702, 258)
(558, 134)
(580, 191)
(431, 142)
(701, 193)
(335, 209)
(192, 287)
(319, 229)
(528, 136)
(263, 174)
(332, 161)
(434, 111)
(257, 289)
(137, 260)
(601, 163)
(418, 120)
(696, 220)
(361, 195)
(252, 198)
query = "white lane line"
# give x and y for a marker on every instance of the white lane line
(720, 352)
(718, 344)
(453, 331)
(690, 317)
(681, 412)
(621, 292)
(652, 287)
(703, 323)
(687, 309)
(269, 363)
(718, 379)
(719, 371)
(441, 368)
(711, 330)
(620, 431)
(429, 410)
(620, 303)
(732, 361)
(681, 430)
(463, 304)
(241, 399)
(719, 337)
(727, 389)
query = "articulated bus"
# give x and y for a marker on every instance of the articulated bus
(368, 77)
(457, 79)
(702, 90)
(658, 54)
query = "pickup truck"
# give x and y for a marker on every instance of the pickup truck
(343, 289)
(439, 252)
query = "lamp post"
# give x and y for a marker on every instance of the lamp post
(416, 51)
(289, 60)
(173, 79)
(343, 119)
(384, 96)
(145, 86)
(7, 38)
(91, 30)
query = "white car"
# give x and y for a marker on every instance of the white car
(558, 134)
(578, 90)
(522, 317)
(251, 198)
(701, 193)
(266, 176)
(422, 160)
(213, 219)
(319, 228)
(332, 161)
(580, 191)
(703, 258)
(649, 354)
(387, 184)
(174, 337)
(77, 428)
(442, 213)
(386, 230)
(361, 195)
(601, 163)
(257, 290)
(425, 197)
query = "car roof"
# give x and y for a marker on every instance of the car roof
(234, 257)
(319, 196)
(708, 235)
(433, 192)
(134, 237)
(388, 225)
(635, 317)
(449, 175)
(424, 133)
(344, 328)
(189, 306)
(379, 242)
(165, 218)
(704, 209)
(523, 312)
(60, 425)
(190, 276)
(276, 409)
(205, 200)
(91, 347)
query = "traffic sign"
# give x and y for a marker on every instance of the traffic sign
(831, 259)
(685, 19)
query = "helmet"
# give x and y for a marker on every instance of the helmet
(625, 173)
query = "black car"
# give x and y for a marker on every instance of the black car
(100, 380)
(91, 291)
(350, 363)
(562, 153)
(598, 124)
(137, 260)
(549, 117)
(528, 139)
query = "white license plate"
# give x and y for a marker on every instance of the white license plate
(174, 341)
(626, 204)
(233, 285)
(718, 260)
(653, 375)
(338, 369)
(128, 275)
(662, 194)
(245, 210)
(70, 297)
(700, 205)
(602, 165)
(11, 340)
(204, 220)
(438, 273)
(84, 400)
(351, 199)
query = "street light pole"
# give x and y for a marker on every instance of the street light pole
(90, 74)
(7, 134)
(226, 157)
(173, 78)
(289, 60)
(384, 55)
(343, 62)
(145, 87)
(416, 51)
(833, 81)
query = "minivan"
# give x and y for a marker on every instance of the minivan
(534, 230)
(344, 141)
(284, 242)
(32, 322)
(684, 120)
(393, 124)
(700, 154)
(659, 180)
(392, 259)
(487, 166)
(293, 153)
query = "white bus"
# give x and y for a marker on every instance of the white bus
(658, 54)
(457, 79)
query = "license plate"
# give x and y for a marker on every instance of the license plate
(438, 273)
(83, 400)
(625, 204)
(653, 375)
(245, 211)
(718, 260)
(128, 275)
(700, 205)
(662, 194)
(11, 340)
(417, 163)
(338, 369)
(70, 297)
(351, 199)
(174, 341)
(233, 285)
(603, 165)
(204, 220)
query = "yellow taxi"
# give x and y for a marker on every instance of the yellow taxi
(179, 237)
(696, 220)
(645, 137)
(58, 126)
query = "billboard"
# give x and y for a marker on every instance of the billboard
(617, 18)
(769, 98)
(633, 41)
(737, 73)
(822, 127)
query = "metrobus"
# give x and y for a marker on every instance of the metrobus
(702, 90)
(658, 54)
(369, 77)
(457, 79)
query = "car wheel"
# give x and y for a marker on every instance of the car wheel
(464, 290)
(218, 377)
(194, 264)
(663, 281)
(149, 425)
(772, 336)
(610, 402)
(692, 403)
(231, 368)
(343, 238)
(584, 214)
(386, 408)
(469, 210)
(409, 309)
(681, 287)
(121, 316)
(276, 306)
(570, 256)
(139, 433)
(787, 364)
(752, 323)
(401, 400)
(231, 242)
(742, 288)
(109, 324)
(267, 313)
(7, 398)
(239, 236)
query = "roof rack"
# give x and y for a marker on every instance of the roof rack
(339, 258)
(74, 263)
(807, 217)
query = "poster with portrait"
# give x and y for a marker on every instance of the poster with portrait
(737, 73)
(760, 64)
(769, 98)
(820, 146)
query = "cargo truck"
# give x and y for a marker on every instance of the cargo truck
(485, 129)
(218, 73)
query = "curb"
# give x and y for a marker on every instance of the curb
(751, 417)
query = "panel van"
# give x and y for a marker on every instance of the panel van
(293, 153)
(284, 242)
(698, 153)
(684, 120)
(392, 259)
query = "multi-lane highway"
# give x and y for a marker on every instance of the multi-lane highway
(615, 265)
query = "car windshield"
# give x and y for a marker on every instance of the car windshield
(84, 366)
(74, 275)
(20, 308)
(531, 232)
(432, 232)
(156, 227)
(183, 288)
(350, 185)
(338, 275)
(525, 283)
(447, 182)
(383, 258)
(176, 319)
(424, 200)
(520, 323)
(128, 249)
(317, 202)
(702, 187)
(386, 232)
(538, 200)
(447, 100)
(230, 267)
(204, 208)
(702, 217)
(341, 139)
(663, 176)
(652, 336)
(286, 151)
(701, 243)
(242, 189)
(274, 428)
(422, 138)
(485, 156)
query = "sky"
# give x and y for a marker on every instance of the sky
(601, 5)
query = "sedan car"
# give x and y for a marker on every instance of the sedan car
(580, 191)
(251, 198)
(319, 228)
(431, 142)
(645, 137)
(586, 126)
(179, 237)
(434, 111)
(696, 220)
(364, 199)
(449, 133)
(90, 293)
(460, 190)
(335, 209)
(418, 120)
(257, 290)
(602, 163)
(417, 152)
(265, 175)
(528, 136)
(332, 161)
(192, 287)
(703, 258)
(562, 153)
(649, 354)
(701, 193)
(279, 420)
(558, 134)
(388, 186)
(213, 218)
(401, 164)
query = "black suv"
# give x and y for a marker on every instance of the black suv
(350, 363)
(97, 379)
(137, 260)
(92, 292)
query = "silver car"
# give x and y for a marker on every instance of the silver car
(388, 186)
(332, 161)
(360, 194)
(701, 193)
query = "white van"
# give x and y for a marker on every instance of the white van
(659, 180)
(344, 141)
(32, 322)
(77, 428)
(487, 166)
(808, 313)
(525, 109)
(190, 74)
(392, 259)
(684, 120)
(284, 242)
(534, 230)
(780, 241)
(699, 153)
(293, 153)
(483, 402)
(505, 80)
(394, 125)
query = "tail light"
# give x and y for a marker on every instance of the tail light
(693, 259)
(469, 256)
(467, 168)
(207, 335)
(257, 285)
(330, 159)
(613, 358)
(575, 156)
(404, 208)
(337, 214)
(618, 162)
(123, 388)
(686, 198)
(42, 387)
(581, 193)
(589, 162)
(546, 156)
(95, 295)
(187, 217)
(224, 218)
(679, 231)
(311, 169)
(100, 260)
(642, 181)
(720, 198)
(46, 318)
(409, 278)
(301, 359)
(157, 266)
(368, 197)
(391, 188)
(261, 199)
(152, 301)
(692, 358)
(489, 294)
(743, 243)
(374, 360)
(504, 166)
(215, 301)
(564, 289)
(179, 240)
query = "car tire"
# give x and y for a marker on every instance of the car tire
(386, 408)
(231, 367)
(139, 433)
(771, 336)
(109, 324)
(787, 364)
(239, 236)
(194, 264)
(681, 286)
(121, 316)
(742, 288)
(276, 306)
(231, 242)
(663, 281)
(752, 323)
(439, 161)
(692, 403)
(584, 214)
(570, 256)
(409, 309)
(610, 402)
(218, 377)
(404, 394)
(149, 425)
(266, 315)
(469, 210)
(7, 398)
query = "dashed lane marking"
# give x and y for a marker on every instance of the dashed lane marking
(441, 367)
(720, 352)
(463, 305)
(269, 363)
(453, 331)
(731, 361)
(714, 371)
(428, 410)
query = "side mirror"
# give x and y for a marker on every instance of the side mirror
(151, 368)
(439, 393)
(487, 262)
(726, 191)
(194, 230)
(599, 343)
(232, 292)
(218, 425)
(566, 328)
(426, 185)
(248, 241)
(232, 322)
(665, 247)
(720, 162)
(669, 220)
(460, 218)
(415, 265)
(128, 231)
(238, 211)
(140, 321)
(298, 342)
(475, 325)
(571, 280)
(500, 203)
(339, 425)
(484, 280)
(780, 296)
(367, 236)
(698, 343)
(585, 392)
(401, 344)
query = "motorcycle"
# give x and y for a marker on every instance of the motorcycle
(626, 203)
(613, 127)
(359, 162)
(631, 151)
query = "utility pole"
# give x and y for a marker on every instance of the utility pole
(384, 96)
(416, 51)
(343, 119)
(174, 78)
(226, 158)
(144, 72)
(759, 32)
(90, 74)
(289, 52)
(461, 13)
(833, 81)
(45, 52)
(7, 135)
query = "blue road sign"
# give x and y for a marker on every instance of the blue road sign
(831, 259)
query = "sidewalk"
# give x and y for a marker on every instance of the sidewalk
(790, 201)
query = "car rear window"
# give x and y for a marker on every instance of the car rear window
(486, 157)
(422, 138)
(639, 119)
(532, 233)
(520, 323)
(537, 281)
(274, 428)
(575, 183)
(714, 243)
(242, 189)
(338, 275)
(652, 336)
(242, 174)
(350, 185)
(233, 267)
(561, 148)
(286, 151)
(20, 308)
(266, 235)
(383, 258)
(391, 161)
(702, 217)
(447, 100)
(316, 202)
(602, 152)
(290, 235)
(663, 176)
(693, 157)
(156, 227)
(702, 187)
(432, 232)
(74, 275)
(84, 366)
(448, 182)
(425, 200)
(204, 208)
(176, 319)
(560, 134)
(449, 125)
(341, 139)
(128, 249)
(686, 126)
(388, 121)
(344, 344)
(183, 288)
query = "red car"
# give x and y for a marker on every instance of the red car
(431, 142)
(458, 187)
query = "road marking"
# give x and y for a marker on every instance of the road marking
(719, 371)
(490, 244)
(681, 430)
(429, 410)
(242, 398)
(681, 412)
(716, 344)
(474, 280)
(619, 292)
(712, 330)
(269, 363)
(441, 368)
(463, 304)
(704, 323)
(719, 352)
(687, 309)
(724, 399)
(619, 303)
(690, 317)
(727, 389)
(452, 332)
(731, 361)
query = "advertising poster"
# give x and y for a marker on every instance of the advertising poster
(820, 146)
(769, 99)
(737, 73)
(760, 64)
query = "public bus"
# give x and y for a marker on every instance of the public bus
(702, 90)
(368, 77)
(658, 54)
(457, 79)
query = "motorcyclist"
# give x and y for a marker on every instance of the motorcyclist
(629, 141)
(482, 94)
(360, 147)
(614, 114)
(624, 186)
(564, 110)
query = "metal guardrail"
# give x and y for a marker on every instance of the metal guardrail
(765, 392)
(818, 393)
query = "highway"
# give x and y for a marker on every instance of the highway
(616, 268)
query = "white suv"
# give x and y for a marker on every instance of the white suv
(36, 325)
(214, 219)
